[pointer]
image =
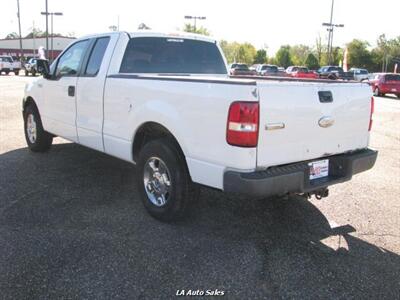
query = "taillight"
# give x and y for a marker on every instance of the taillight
(371, 113)
(242, 127)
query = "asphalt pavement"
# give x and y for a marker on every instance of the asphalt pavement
(72, 227)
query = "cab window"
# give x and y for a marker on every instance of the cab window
(70, 61)
(96, 57)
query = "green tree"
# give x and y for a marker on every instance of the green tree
(246, 53)
(230, 50)
(12, 35)
(319, 51)
(35, 32)
(311, 62)
(273, 61)
(200, 30)
(358, 54)
(283, 57)
(299, 54)
(386, 51)
(238, 52)
(337, 56)
(260, 57)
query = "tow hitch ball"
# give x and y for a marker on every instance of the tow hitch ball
(319, 194)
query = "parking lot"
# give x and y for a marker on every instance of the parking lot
(71, 226)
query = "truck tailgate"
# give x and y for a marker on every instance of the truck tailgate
(312, 127)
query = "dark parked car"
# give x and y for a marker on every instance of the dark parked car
(31, 67)
(240, 69)
(385, 83)
(334, 72)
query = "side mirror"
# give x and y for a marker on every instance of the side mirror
(43, 68)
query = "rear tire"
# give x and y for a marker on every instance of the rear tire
(163, 180)
(37, 138)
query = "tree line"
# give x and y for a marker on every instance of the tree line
(360, 54)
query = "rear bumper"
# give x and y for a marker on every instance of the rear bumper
(294, 178)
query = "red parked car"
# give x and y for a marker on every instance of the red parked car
(385, 83)
(301, 72)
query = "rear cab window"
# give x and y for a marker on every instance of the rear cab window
(172, 56)
(96, 56)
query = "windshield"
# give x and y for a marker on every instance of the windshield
(172, 55)
(6, 59)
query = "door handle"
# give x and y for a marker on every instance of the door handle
(274, 126)
(71, 91)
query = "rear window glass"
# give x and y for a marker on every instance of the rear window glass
(172, 55)
(392, 77)
(242, 67)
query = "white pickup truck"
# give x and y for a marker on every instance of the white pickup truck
(165, 103)
(7, 65)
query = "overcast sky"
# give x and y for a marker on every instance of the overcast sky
(260, 22)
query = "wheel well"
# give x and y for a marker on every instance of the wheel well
(29, 101)
(151, 131)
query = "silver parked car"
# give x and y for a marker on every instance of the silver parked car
(360, 74)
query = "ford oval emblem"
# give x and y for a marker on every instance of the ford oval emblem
(326, 122)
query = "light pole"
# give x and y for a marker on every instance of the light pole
(20, 34)
(47, 29)
(195, 18)
(330, 28)
(52, 33)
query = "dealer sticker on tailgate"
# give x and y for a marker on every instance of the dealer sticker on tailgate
(319, 169)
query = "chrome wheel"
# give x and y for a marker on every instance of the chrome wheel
(31, 128)
(157, 181)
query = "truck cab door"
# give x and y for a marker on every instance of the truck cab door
(90, 90)
(59, 92)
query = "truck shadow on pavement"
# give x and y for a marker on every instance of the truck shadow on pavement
(72, 227)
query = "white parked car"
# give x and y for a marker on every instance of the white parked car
(7, 65)
(165, 102)
(360, 74)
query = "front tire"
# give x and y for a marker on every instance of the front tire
(163, 180)
(37, 138)
(377, 92)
